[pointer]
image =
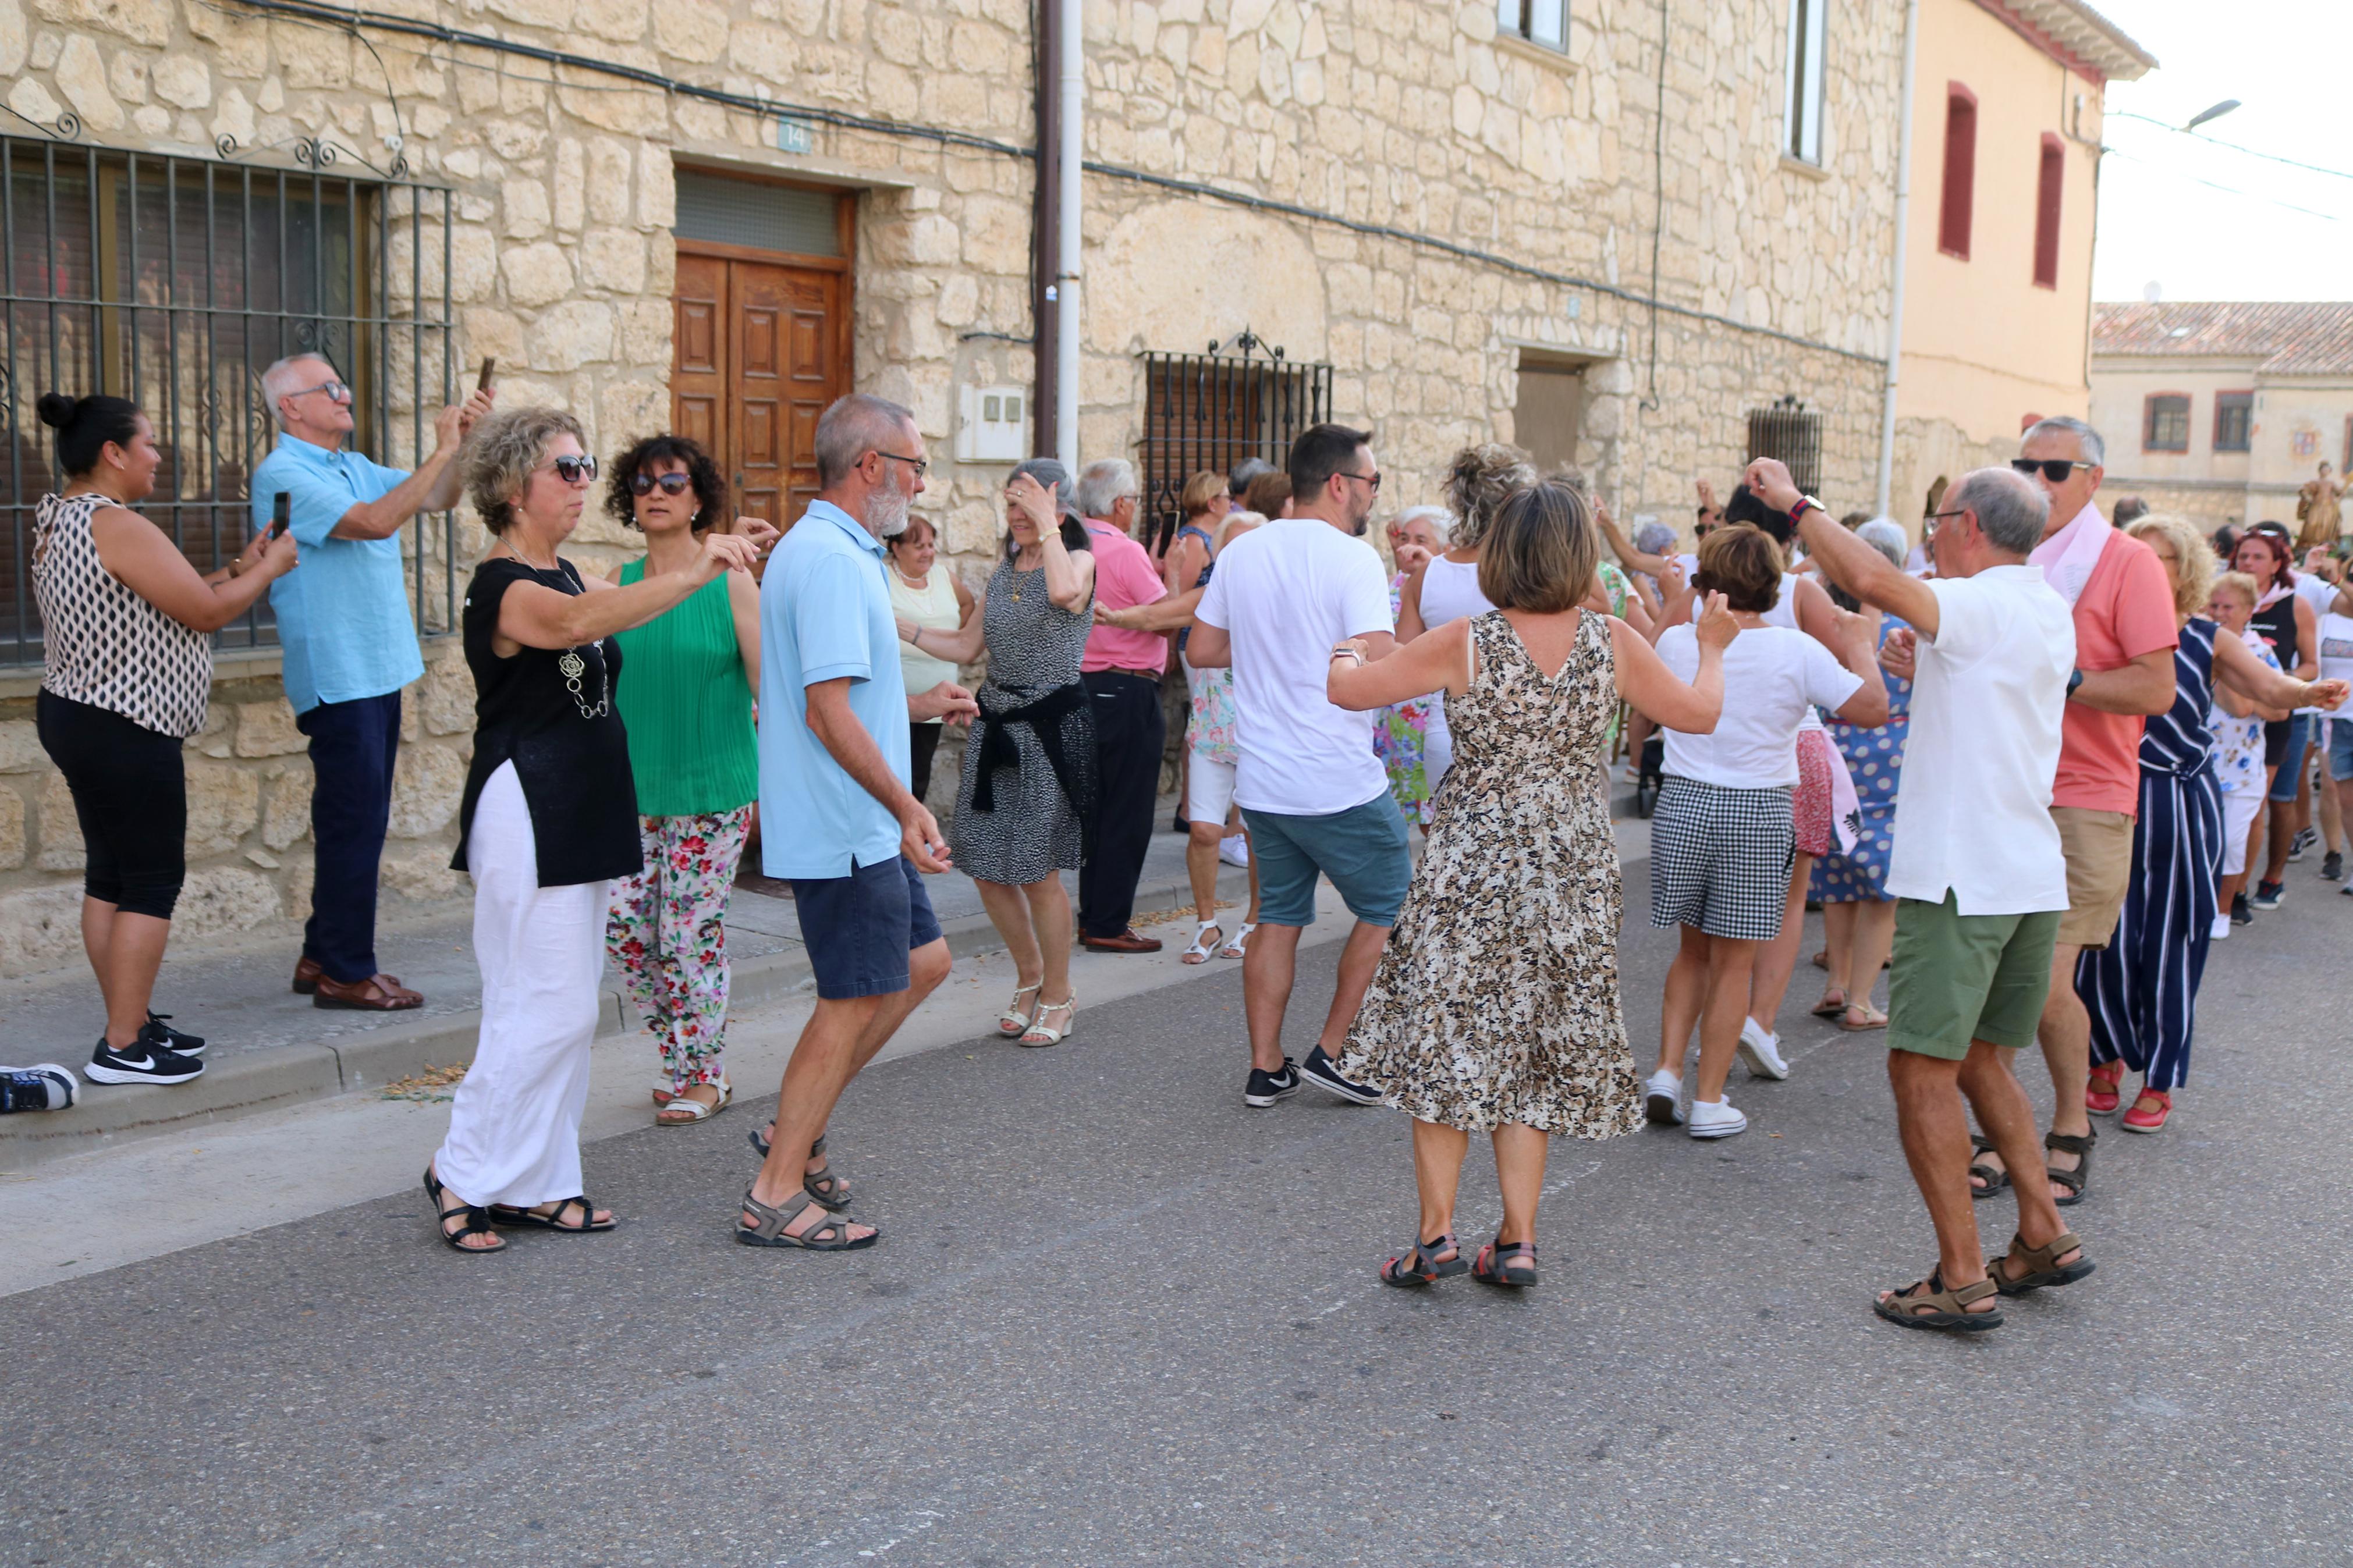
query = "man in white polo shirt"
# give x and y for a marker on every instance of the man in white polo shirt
(1315, 796)
(1978, 871)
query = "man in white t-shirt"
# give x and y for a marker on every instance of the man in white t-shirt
(1977, 870)
(1313, 793)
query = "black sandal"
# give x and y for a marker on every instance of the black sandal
(1995, 1177)
(2078, 1181)
(1509, 1264)
(477, 1219)
(1422, 1266)
(831, 1192)
(514, 1213)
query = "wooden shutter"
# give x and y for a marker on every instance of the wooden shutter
(2048, 185)
(1960, 170)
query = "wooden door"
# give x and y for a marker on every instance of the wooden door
(760, 348)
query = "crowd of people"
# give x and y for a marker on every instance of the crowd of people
(2023, 770)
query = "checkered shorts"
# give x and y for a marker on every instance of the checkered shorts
(1720, 858)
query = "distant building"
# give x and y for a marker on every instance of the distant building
(2223, 411)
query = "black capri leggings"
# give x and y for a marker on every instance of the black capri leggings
(131, 793)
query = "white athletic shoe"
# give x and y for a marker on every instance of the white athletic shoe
(2221, 932)
(1662, 1095)
(1234, 850)
(1716, 1118)
(1760, 1052)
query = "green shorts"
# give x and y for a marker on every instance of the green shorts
(1955, 978)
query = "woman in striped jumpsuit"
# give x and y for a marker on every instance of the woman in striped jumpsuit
(2142, 988)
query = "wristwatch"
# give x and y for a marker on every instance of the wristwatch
(1799, 510)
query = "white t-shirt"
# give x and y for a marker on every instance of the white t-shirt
(1772, 679)
(1973, 808)
(1285, 591)
(2321, 595)
(1784, 613)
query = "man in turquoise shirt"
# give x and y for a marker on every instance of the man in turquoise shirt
(349, 646)
(841, 820)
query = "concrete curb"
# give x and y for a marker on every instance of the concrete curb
(252, 1082)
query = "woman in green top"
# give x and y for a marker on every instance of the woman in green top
(685, 689)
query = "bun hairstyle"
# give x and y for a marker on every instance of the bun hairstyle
(1478, 482)
(85, 426)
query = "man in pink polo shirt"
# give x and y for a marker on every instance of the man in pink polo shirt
(2125, 635)
(1121, 670)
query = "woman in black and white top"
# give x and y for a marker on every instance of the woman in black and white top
(549, 816)
(128, 669)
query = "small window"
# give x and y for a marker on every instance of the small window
(2049, 186)
(1960, 200)
(1802, 112)
(754, 213)
(1542, 22)
(2164, 428)
(2234, 421)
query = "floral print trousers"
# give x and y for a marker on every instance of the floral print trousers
(667, 934)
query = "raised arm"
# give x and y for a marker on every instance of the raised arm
(1644, 680)
(140, 556)
(1361, 679)
(433, 486)
(1408, 622)
(1634, 560)
(2237, 668)
(1856, 644)
(532, 614)
(1846, 560)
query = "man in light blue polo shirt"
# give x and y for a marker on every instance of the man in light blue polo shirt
(841, 823)
(349, 647)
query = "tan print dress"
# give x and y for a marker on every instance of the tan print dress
(1497, 999)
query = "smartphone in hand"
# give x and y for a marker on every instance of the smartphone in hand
(483, 383)
(281, 513)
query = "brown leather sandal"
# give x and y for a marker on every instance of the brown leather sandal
(2078, 1181)
(1945, 1309)
(377, 994)
(2038, 1266)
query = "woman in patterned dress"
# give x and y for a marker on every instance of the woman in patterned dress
(1495, 1006)
(1030, 766)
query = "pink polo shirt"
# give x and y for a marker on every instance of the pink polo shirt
(2126, 611)
(1125, 578)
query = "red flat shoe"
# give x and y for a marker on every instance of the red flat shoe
(2100, 1096)
(2148, 1112)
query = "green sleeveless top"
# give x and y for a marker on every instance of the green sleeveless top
(682, 696)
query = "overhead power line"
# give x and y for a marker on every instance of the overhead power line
(2233, 146)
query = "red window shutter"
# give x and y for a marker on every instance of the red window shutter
(2048, 188)
(1960, 170)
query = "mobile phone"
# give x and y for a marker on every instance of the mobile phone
(281, 513)
(483, 383)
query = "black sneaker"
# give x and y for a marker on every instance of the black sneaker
(141, 1062)
(1324, 1074)
(2306, 837)
(2332, 865)
(1265, 1088)
(2268, 895)
(2241, 915)
(158, 1031)
(45, 1086)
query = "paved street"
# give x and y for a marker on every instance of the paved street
(1119, 1318)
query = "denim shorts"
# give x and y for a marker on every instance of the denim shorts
(2339, 734)
(1362, 849)
(860, 928)
(2290, 761)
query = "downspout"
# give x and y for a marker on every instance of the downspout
(1884, 506)
(1069, 25)
(1045, 247)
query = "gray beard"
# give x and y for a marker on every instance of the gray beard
(886, 514)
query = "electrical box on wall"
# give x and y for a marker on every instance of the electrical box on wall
(994, 427)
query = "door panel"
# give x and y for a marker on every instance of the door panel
(699, 369)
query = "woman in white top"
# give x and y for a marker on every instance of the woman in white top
(1724, 839)
(2237, 724)
(927, 596)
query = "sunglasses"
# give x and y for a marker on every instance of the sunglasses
(574, 470)
(2056, 470)
(672, 484)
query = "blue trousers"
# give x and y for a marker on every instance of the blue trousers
(353, 746)
(2141, 989)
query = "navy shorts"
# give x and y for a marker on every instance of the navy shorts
(860, 928)
(2295, 734)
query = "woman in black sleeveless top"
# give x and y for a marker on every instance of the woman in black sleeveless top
(549, 816)
(2283, 618)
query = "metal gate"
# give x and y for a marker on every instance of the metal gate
(1789, 432)
(1212, 410)
(175, 282)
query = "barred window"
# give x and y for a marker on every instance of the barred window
(1210, 411)
(175, 282)
(2165, 426)
(2234, 421)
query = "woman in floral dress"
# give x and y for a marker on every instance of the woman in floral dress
(1401, 729)
(1495, 1006)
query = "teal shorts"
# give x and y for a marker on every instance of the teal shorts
(1954, 978)
(1362, 849)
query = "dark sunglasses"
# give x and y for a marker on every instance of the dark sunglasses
(643, 484)
(2056, 470)
(574, 470)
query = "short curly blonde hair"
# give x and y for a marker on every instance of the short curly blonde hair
(2193, 571)
(501, 452)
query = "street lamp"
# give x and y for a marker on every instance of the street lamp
(2216, 112)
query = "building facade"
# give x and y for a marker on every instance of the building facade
(1611, 230)
(2223, 412)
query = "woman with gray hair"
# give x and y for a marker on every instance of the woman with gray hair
(549, 817)
(1029, 785)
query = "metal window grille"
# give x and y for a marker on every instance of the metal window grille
(1793, 434)
(1212, 410)
(175, 282)
(2167, 429)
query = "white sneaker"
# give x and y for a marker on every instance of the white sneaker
(1662, 1094)
(1234, 850)
(1760, 1052)
(2221, 932)
(1716, 1118)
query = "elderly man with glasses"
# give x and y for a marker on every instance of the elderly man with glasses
(1121, 670)
(349, 646)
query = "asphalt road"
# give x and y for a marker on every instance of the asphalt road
(1119, 1318)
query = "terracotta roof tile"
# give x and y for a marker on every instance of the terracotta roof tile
(2285, 337)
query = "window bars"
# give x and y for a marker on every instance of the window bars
(1212, 410)
(1793, 434)
(175, 282)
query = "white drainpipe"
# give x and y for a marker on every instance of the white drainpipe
(1895, 303)
(1072, 22)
